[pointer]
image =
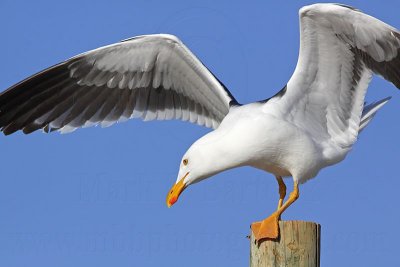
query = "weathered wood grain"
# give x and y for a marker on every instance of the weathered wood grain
(298, 245)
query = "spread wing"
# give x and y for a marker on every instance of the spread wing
(149, 77)
(340, 49)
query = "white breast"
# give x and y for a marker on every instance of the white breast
(270, 143)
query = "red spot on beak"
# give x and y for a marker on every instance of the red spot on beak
(175, 191)
(172, 200)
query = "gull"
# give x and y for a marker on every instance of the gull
(310, 124)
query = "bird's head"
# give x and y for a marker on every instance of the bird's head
(193, 168)
(206, 157)
(184, 177)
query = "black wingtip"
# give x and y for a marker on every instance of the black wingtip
(5, 134)
(30, 129)
(10, 129)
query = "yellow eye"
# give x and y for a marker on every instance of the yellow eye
(185, 162)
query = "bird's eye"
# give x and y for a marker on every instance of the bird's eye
(185, 162)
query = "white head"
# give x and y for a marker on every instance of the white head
(208, 156)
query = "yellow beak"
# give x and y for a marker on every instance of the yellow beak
(175, 191)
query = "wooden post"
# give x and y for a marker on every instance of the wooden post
(298, 245)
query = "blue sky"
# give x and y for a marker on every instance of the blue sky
(97, 197)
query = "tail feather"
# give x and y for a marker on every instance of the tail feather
(369, 112)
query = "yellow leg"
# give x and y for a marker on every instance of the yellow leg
(269, 228)
(282, 191)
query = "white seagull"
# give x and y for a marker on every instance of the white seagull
(310, 124)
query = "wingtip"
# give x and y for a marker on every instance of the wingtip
(384, 101)
(10, 129)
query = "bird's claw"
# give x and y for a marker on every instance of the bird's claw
(266, 229)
